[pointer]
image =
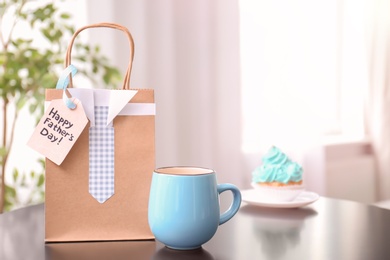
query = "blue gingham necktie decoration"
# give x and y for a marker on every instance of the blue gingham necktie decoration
(101, 156)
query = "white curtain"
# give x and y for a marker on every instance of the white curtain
(188, 51)
(378, 96)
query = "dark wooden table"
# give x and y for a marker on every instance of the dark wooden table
(327, 229)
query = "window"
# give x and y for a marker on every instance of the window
(303, 71)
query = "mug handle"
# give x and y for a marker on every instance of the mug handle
(235, 206)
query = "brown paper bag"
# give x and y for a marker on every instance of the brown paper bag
(71, 212)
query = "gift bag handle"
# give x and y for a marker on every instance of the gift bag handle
(126, 81)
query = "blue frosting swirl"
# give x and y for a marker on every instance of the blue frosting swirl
(277, 167)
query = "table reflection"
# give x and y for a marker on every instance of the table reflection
(117, 250)
(170, 254)
(277, 228)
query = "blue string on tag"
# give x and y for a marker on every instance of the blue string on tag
(63, 82)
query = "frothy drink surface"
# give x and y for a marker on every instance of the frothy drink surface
(184, 170)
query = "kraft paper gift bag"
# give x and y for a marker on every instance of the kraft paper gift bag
(100, 190)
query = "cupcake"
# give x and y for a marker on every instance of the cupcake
(278, 178)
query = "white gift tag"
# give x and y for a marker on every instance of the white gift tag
(58, 130)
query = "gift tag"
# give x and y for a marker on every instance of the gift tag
(58, 130)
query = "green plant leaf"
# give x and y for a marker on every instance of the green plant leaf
(15, 175)
(3, 151)
(65, 16)
(41, 180)
(10, 192)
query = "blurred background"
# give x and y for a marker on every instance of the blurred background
(233, 77)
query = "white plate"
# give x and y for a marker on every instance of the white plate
(303, 199)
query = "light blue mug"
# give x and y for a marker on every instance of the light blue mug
(184, 210)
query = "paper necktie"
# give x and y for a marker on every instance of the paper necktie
(101, 156)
